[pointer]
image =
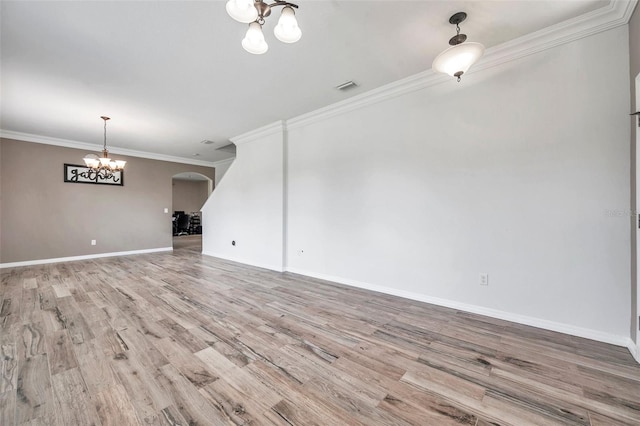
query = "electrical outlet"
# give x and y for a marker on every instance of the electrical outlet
(484, 278)
(93, 242)
(166, 210)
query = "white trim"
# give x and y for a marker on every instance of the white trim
(634, 349)
(67, 143)
(223, 162)
(617, 13)
(244, 261)
(259, 133)
(83, 257)
(493, 313)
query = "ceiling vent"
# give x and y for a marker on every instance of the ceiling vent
(347, 85)
(207, 142)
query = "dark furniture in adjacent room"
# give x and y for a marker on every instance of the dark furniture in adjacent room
(181, 224)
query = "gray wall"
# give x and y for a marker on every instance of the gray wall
(634, 55)
(189, 195)
(42, 217)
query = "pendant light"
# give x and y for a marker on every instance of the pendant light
(253, 13)
(457, 59)
(104, 165)
(287, 30)
(253, 41)
(242, 10)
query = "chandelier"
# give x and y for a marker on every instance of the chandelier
(253, 13)
(103, 166)
(457, 59)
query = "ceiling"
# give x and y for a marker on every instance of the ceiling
(172, 74)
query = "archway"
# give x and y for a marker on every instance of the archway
(190, 191)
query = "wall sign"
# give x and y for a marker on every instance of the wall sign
(83, 174)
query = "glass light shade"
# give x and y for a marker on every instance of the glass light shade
(105, 161)
(120, 164)
(287, 30)
(242, 10)
(91, 160)
(458, 58)
(254, 42)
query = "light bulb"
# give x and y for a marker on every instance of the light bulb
(287, 30)
(254, 42)
(458, 58)
(91, 160)
(242, 10)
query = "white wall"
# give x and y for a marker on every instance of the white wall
(511, 172)
(247, 206)
(221, 169)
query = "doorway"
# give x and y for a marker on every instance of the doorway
(190, 190)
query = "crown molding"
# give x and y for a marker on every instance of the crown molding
(27, 137)
(616, 13)
(270, 129)
(223, 162)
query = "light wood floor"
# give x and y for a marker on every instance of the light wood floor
(188, 242)
(182, 339)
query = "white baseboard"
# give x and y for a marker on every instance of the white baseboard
(278, 268)
(634, 349)
(494, 313)
(83, 257)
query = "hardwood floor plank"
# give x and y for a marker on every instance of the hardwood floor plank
(8, 367)
(8, 408)
(30, 311)
(196, 371)
(31, 340)
(95, 367)
(191, 404)
(60, 350)
(114, 408)
(145, 393)
(179, 338)
(73, 406)
(34, 395)
(61, 290)
(435, 413)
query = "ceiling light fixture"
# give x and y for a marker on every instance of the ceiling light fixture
(457, 59)
(103, 166)
(253, 13)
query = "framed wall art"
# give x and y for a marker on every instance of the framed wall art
(74, 173)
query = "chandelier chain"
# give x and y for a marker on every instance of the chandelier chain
(104, 146)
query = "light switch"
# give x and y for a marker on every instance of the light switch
(166, 210)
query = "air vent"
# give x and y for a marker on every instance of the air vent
(347, 85)
(207, 142)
